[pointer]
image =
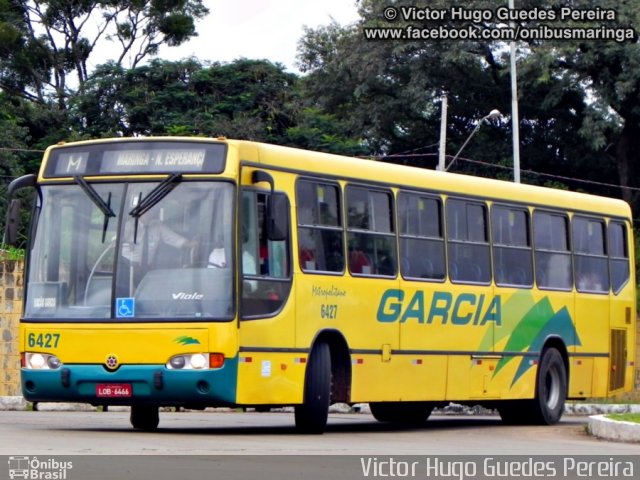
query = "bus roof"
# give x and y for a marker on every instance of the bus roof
(354, 169)
(311, 163)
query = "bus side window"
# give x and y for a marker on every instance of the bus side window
(552, 251)
(618, 256)
(512, 254)
(591, 263)
(371, 232)
(421, 238)
(265, 263)
(320, 235)
(468, 242)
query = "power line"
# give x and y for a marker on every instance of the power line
(6, 149)
(549, 175)
(505, 167)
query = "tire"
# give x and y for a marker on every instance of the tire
(551, 388)
(144, 417)
(311, 416)
(551, 392)
(401, 412)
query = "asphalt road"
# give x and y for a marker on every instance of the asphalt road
(235, 433)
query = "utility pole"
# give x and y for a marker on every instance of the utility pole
(515, 120)
(443, 132)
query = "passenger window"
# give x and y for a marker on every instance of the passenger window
(552, 254)
(320, 234)
(591, 263)
(266, 279)
(422, 254)
(512, 255)
(468, 242)
(370, 232)
(618, 255)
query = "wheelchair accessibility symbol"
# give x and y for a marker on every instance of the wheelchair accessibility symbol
(125, 307)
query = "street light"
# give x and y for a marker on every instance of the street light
(515, 119)
(493, 114)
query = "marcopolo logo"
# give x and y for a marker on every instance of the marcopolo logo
(33, 468)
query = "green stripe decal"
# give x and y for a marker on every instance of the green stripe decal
(527, 325)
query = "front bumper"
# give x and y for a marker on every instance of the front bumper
(151, 384)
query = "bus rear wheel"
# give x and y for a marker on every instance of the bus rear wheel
(144, 417)
(551, 392)
(551, 388)
(401, 412)
(311, 416)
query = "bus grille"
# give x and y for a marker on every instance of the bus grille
(618, 359)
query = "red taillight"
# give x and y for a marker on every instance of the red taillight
(216, 360)
(23, 360)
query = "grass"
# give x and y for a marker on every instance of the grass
(11, 253)
(625, 398)
(625, 417)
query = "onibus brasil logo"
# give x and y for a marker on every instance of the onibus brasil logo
(36, 469)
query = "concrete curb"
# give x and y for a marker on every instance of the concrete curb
(602, 427)
(600, 408)
(18, 403)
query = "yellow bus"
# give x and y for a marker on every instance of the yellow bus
(198, 272)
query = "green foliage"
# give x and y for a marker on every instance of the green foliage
(322, 132)
(44, 43)
(388, 94)
(11, 253)
(245, 99)
(625, 417)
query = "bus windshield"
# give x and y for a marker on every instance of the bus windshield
(115, 250)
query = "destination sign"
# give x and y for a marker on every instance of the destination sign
(131, 157)
(176, 160)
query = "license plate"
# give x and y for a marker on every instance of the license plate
(111, 390)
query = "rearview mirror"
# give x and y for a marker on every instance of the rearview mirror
(13, 223)
(278, 217)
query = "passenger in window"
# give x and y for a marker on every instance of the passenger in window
(152, 232)
(559, 271)
(590, 282)
(218, 258)
(359, 262)
(385, 265)
(307, 253)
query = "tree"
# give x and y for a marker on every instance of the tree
(245, 99)
(15, 158)
(608, 71)
(388, 91)
(47, 40)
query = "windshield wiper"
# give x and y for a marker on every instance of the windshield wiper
(155, 195)
(104, 207)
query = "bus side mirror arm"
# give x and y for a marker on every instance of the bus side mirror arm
(12, 222)
(25, 181)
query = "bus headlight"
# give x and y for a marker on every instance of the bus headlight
(41, 361)
(195, 361)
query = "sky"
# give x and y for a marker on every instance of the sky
(259, 29)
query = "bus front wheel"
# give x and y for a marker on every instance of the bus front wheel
(311, 416)
(144, 417)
